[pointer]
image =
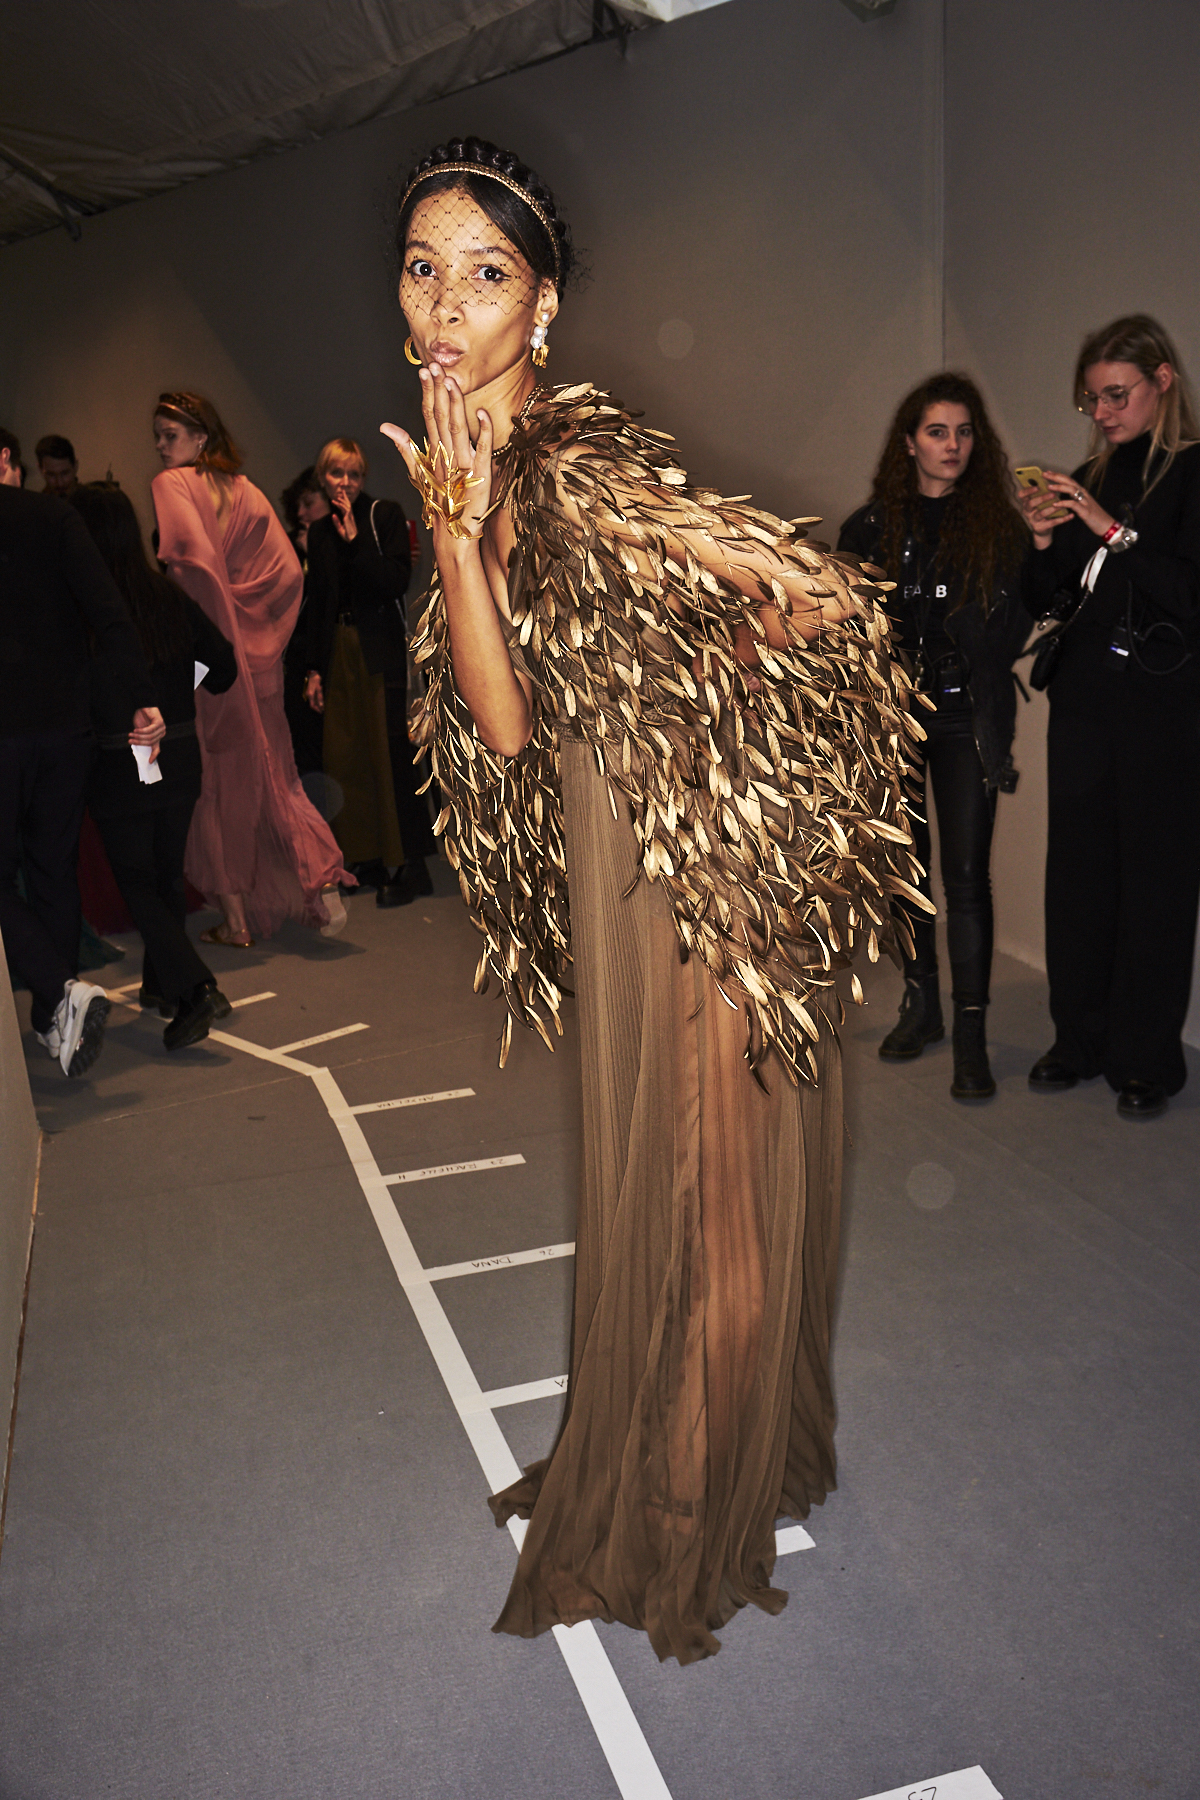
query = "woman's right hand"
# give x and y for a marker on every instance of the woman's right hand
(1042, 513)
(444, 411)
(313, 692)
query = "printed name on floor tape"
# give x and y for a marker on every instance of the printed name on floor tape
(964, 1784)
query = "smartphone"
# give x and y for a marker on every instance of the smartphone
(1032, 477)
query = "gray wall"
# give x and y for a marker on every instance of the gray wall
(769, 172)
(18, 1179)
(759, 171)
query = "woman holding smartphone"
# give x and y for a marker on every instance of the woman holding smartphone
(942, 523)
(1121, 536)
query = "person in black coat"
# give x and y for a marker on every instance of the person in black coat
(358, 568)
(942, 524)
(57, 601)
(1123, 854)
(144, 826)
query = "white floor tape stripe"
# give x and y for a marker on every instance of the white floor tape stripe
(621, 1738)
(462, 1168)
(414, 1100)
(251, 999)
(526, 1390)
(484, 1265)
(963, 1784)
(322, 1037)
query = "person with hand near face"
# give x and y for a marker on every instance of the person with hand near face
(941, 523)
(1117, 549)
(670, 705)
(359, 563)
(257, 845)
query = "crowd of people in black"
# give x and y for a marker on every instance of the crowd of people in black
(198, 703)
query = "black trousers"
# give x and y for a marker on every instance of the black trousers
(966, 813)
(145, 850)
(412, 809)
(1122, 886)
(43, 780)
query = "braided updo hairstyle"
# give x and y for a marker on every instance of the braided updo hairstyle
(519, 223)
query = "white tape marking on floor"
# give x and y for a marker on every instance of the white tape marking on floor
(462, 1168)
(414, 1100)
(964, 1784)
(525, 1390)
(251, 999)
(634, 1769)
(792, 1537)
(621, 1738)
(322, 1037)
(260, 1050)
(483, 1265)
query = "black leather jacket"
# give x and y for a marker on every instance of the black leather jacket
(988, 644)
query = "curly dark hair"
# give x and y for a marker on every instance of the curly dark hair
(519, 223)
(983, 535)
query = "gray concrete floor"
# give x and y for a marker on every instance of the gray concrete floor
(248, 1553)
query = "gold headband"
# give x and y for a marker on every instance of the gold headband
(173, 403)
(514, 187)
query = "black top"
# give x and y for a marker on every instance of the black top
(1154, 587)
(927, 604)
(54, 590)
(115, 784)
(364, 580)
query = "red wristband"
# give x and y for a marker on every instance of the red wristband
(1113, 531)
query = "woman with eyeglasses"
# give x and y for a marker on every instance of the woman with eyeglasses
(1117, 552)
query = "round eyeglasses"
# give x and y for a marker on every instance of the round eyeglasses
(1115, 398)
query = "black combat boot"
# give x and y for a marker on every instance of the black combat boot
(972, 1076)
(920, 1020)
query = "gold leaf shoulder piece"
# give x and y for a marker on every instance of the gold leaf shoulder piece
(768, 798)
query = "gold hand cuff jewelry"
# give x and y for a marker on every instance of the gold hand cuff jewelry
(443, 497)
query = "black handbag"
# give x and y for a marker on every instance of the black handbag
(1046, 649)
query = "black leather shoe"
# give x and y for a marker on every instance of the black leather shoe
(396, 893)
(1142, 1100)
(920, 1020)
(1050, 1076)
(368, 875)
(191, 1022)
(148, 1002)
(972, 1074)
(219, 1006)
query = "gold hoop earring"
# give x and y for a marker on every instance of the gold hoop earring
(538, 344)
(411, 354)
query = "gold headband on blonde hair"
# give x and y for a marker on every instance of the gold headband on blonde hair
(514, 187)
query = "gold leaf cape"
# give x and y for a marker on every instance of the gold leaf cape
(769, 801)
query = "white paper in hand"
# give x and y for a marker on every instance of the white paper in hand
(201, 672)
(148, 772)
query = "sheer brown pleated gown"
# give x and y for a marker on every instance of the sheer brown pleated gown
(699, 1405)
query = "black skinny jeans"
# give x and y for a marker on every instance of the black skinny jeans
(966, 813)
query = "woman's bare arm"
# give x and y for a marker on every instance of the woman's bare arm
(473, 584)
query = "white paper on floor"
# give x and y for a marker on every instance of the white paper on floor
(964, 1784)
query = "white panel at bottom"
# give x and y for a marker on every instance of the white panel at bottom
(964, 1784)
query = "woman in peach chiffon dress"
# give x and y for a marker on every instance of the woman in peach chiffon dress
(258, 847)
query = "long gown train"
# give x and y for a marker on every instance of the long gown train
(699, 1405)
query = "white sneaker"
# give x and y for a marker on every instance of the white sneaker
(50, 1039)
(79, 1021)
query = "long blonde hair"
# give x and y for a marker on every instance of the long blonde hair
(1141, 340)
